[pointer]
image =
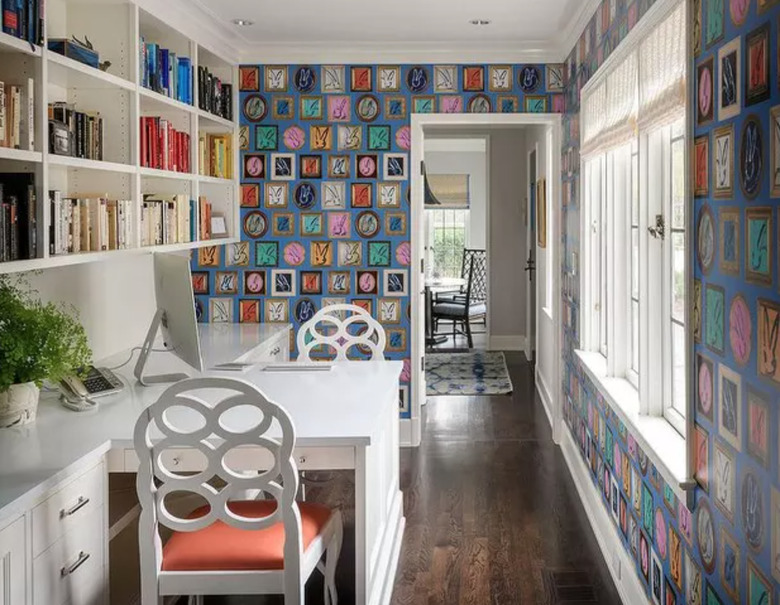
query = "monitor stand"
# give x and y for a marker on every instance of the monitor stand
(146, 351)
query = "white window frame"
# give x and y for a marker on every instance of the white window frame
(432, 231)
(660, 429)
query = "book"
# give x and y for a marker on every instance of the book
(75, 133)
(18, 217)
(163, 147)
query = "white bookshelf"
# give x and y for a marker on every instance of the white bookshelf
(114, 27)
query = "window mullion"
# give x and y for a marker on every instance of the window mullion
(645, 378)
(620, 265)
(654, 364)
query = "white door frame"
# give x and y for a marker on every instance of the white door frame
(532, 296)
(486, 138)
(411, 429)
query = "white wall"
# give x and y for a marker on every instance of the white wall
(545, 329)
(507, 237)
(473, 163)
(115, 299)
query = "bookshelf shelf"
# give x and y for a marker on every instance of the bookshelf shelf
(20, 155)
(154, 101)
(80, 258)
(117, 29)
(11, 44)
(214, 180)
(82, 164)
(68, 73)
(167, 174)
(212, 119)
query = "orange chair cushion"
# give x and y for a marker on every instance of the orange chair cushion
(221, 547)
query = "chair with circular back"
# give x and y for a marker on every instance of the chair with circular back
(341, 328)
(227, 546)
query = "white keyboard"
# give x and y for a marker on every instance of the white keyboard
(298, 366)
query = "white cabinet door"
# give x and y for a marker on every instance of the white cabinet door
(13, 577)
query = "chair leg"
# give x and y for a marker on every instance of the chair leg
(468, 333)
(332, 559)
(196, 600)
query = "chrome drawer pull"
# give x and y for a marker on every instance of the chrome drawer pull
(66, 571)
(82, 502)
(275, 351)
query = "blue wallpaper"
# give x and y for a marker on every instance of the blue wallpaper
(324, 188)
(728, 551)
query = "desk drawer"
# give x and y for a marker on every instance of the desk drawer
(78, 500)
(71, 570)
(253, 458)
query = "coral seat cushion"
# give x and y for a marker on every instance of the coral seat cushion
(221, 547)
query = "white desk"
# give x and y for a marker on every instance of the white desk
(344, 419)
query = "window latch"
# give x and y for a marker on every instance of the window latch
(659, 231)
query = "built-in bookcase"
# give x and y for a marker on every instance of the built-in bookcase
(115, 29)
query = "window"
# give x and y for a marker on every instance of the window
(448, 234)
(634, 241)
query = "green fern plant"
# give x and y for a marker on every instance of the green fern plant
(38, 341)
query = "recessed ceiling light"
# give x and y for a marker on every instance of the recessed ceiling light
(243, 22)
(480, 21)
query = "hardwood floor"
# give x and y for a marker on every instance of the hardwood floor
(493, 517)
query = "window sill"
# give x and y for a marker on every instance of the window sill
(662, 444)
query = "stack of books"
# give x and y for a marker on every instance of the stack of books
(17, 115)
(75, 133)
(214, 96)
(173, 219)
(18, 217)
(215, 153)
(163, 147)
(89, 224)
(165, 73)
(23, 19)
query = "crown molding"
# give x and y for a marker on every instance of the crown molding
(572, 32)
(201, 25)
(400, 52)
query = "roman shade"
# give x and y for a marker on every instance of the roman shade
(447, 191)
(642, 88)
(662, 72)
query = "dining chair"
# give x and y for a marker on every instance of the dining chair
(462, 310)
(340, 328)
(227, 547)
(481, 272)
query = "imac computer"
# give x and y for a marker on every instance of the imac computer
(175, 318)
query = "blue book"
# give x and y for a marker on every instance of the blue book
(164, 71)
(10, 18)
(31, 21)
(152, 66)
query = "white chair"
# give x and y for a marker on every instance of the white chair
(337, 326)
(228, 547)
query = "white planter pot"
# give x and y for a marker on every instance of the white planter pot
(19, 405)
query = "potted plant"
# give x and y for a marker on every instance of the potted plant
(38, 341)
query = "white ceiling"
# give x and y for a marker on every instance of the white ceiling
(324, 30)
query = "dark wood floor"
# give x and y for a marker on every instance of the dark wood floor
(492, 515)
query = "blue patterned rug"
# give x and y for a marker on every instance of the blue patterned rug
(474, 373)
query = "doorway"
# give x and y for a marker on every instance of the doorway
(430, 126)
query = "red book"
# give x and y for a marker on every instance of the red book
(143, 141)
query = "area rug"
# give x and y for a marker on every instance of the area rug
(473, 373)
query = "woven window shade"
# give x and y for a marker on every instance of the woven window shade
(662, 90)
(647, 89)
(610, 109)
(452, 190)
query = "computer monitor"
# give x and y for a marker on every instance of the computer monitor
(175, 317)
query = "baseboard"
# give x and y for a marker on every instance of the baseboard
(619, 562)
(507, 343)
(410, 432)
(544, 395)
